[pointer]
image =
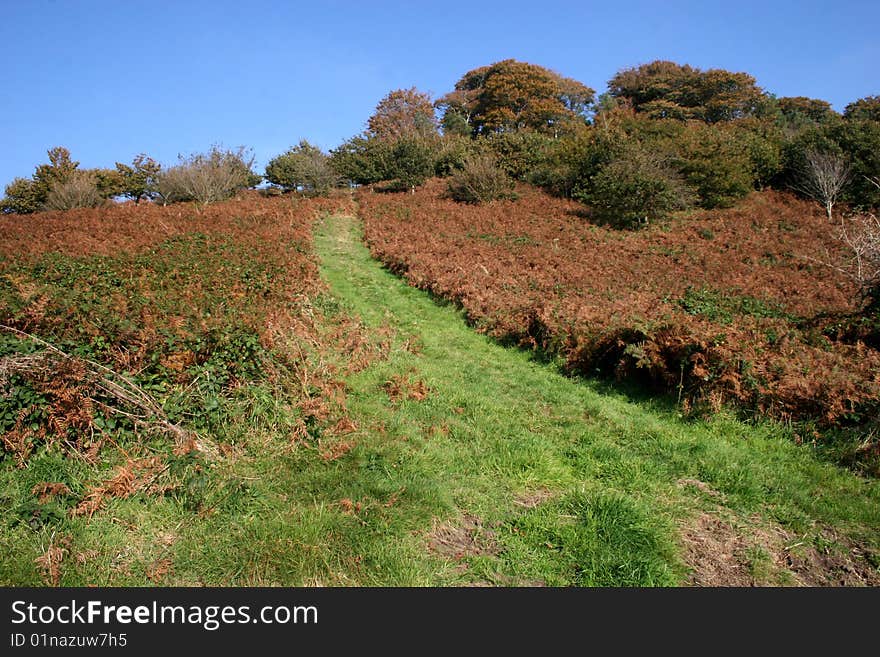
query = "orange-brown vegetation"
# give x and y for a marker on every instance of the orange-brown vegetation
(720, 306)
(121, 323)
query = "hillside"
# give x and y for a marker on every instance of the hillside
(724, 307)
(238, 394)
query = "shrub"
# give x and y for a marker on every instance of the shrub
(361, 160)
(24, 196)
(520, 153)
(637, 188)
(411, 162)
(207, 177)
(302, 168)
(481, 180)
(452, 153)
(717, 162)
(79, 190)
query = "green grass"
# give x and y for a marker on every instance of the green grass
(540, 478)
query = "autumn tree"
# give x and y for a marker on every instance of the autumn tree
(403, 113)
(665, 89)
(511, 95)
(863, 109)
(798, 111)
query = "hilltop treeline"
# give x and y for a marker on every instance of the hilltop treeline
(663, 137)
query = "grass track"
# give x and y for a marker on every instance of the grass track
(504, 473)
(500, 433)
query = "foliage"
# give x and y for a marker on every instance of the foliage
(361, 159)
(798, 112)
(863, 109)
(26, 196)
(664, 89)
(453, 151)
(403, 113)
(636, 188)
(23, 196)
(634, 304)
(410, 162)
(717, 162)
(480, 180)
(511, 95)
(520, 153)
(860, 142)
(138, 180)
(304, 168)
(207, 177)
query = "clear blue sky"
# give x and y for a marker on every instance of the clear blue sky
(113, 78)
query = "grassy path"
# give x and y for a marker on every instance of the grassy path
(509, 473)
(454, 462)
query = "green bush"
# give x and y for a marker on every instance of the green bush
(636, 188)
(361, 160)
(717, 162)
(303, 168)
(410, 162)
(480, 180)
(520, 153)
(23, 196)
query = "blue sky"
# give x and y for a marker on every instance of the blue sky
(113, 78)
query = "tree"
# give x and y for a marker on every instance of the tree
(403, 113)
(304, 168)
(863, 109)
(511, 95)
(799, 111)
(717, 161)
(410, 163)
(59, 169)
(823, 177)
(520, 153)
(860, 141)
(664, 89)
(362, 160)
(138, 180)
(24, 196)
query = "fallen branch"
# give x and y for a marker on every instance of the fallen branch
(105, 379)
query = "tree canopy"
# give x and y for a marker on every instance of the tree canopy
(511, 95)
(403, 113)
(864, 109)
(664, 89)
